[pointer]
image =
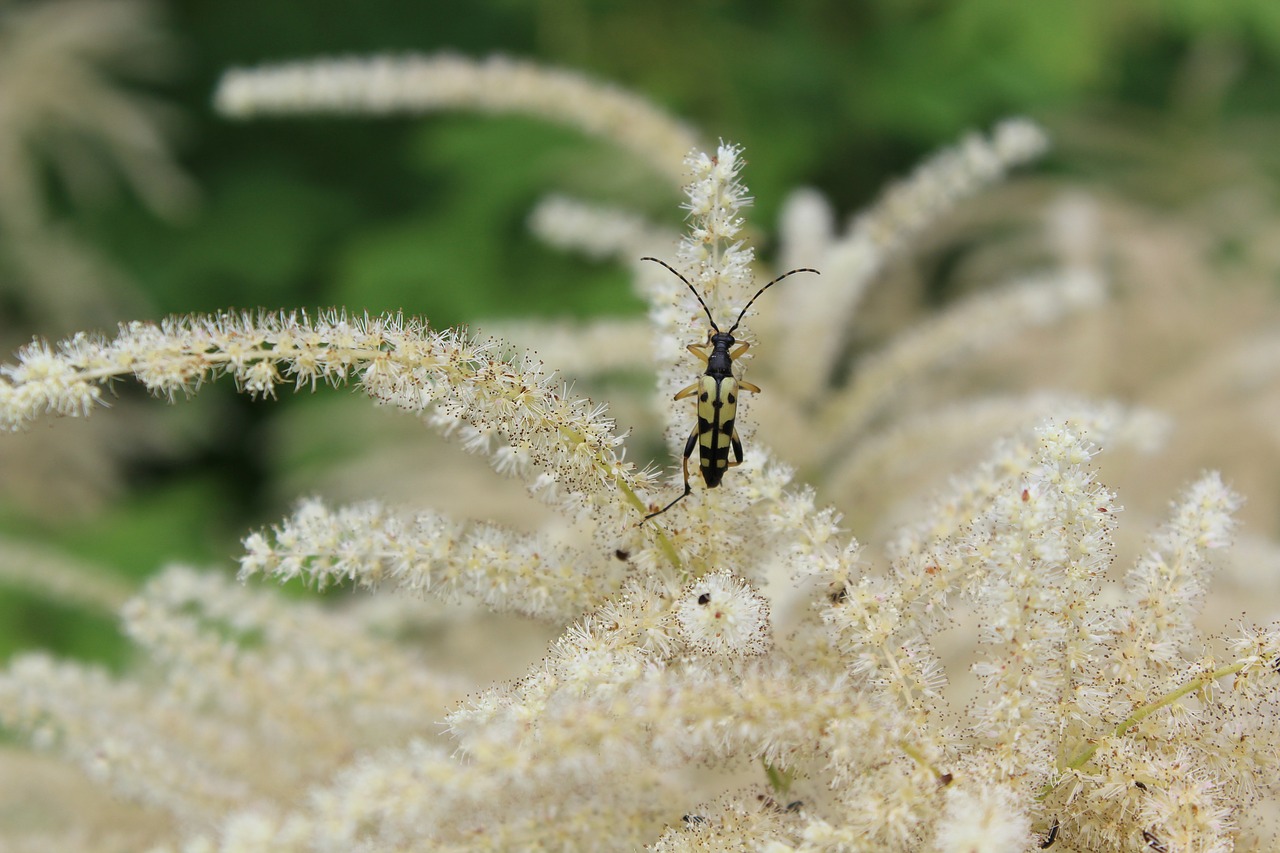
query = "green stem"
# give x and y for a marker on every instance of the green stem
(919, 758)
(779, 780)
(632, 498)
(1142, 712)
(663, 542)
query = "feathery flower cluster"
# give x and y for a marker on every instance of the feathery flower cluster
(977, 323)
(81, 51)
(595, 231)
(714, 260)
(432, 554)
(851, 261)
(745, 632)
(243, 676)
(562, 445)
(415, 84)
(947, 179)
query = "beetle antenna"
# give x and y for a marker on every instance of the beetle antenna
(762, 290)
(695, 292)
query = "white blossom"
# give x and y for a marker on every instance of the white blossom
(720, 614)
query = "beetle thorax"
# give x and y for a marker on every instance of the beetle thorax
(722, 340)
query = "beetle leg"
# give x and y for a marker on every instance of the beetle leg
(747, 386)
(688, 451)
(737, 449)
(688, 391)
(742, 347)
(700, 350)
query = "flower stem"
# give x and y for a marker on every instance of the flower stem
(1143, 711)
(779, 780)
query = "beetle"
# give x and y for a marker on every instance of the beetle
(1052, 836)
(717, 391)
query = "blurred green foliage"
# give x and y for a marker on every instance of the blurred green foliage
(427, 214)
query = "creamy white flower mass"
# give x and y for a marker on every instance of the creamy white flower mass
(975, 670)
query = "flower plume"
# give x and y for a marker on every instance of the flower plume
(742, 673)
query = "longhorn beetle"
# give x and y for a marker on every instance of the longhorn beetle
(717, 393)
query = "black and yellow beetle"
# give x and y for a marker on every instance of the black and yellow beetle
(717, 391)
